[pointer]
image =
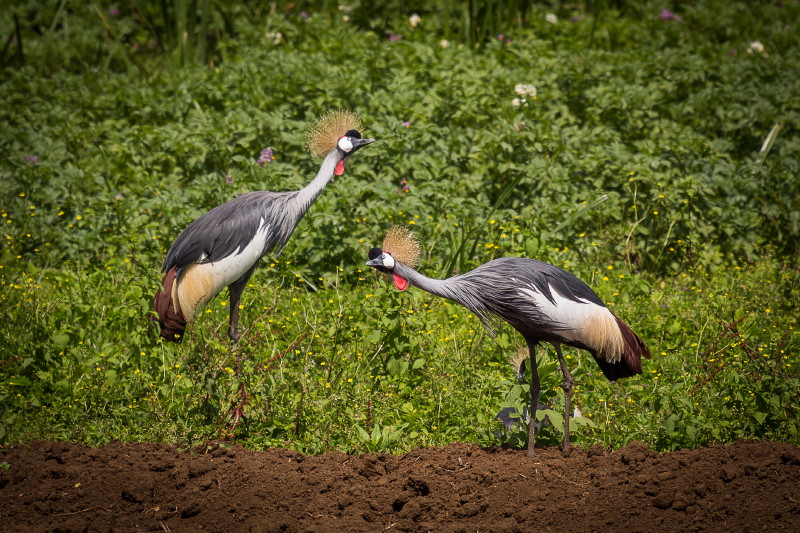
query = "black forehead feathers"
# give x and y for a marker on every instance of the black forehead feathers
(353, 133)
(375, 252)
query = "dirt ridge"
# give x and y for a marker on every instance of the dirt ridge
(63, 487)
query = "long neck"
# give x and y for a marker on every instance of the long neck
(452, 288)
(297, 202)
(459, 289)
(306, 196)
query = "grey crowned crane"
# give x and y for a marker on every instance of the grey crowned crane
(223, 247)
(541, 301)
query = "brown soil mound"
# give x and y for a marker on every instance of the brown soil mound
(155, 487)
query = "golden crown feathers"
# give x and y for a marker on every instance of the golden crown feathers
(403, 245)
(322, 137)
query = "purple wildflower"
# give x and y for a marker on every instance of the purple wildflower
(406, 124)
(229, 179)
(32, 159)
(395, 37)
(404, 185)
(118, 196)
(113, 11)
(666, 14)
(304, 14)
(266, 156)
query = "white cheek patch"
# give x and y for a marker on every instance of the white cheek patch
(388, 261)
(345, 145)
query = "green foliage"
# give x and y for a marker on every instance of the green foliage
(636, 163)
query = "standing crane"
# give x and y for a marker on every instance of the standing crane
(223, 247)
(541, 301)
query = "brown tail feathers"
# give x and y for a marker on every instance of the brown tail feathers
(631, 362)
(171, 320)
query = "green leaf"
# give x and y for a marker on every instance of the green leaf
(362, 434)
(374, 337)
(556, 418)
(60, 338)
(577, 421)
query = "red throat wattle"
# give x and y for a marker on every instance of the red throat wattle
(399, 282)
(339, 168)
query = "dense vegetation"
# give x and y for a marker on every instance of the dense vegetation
(655, 154)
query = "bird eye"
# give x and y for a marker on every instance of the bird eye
(345, 144)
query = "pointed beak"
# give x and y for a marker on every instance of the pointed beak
(358, 143)
(375, 262)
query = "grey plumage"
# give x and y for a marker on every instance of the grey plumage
(491, 291)
(233, 225)
(545, 304)
(223, 247)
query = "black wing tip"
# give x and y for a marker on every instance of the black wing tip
(618, 370)
(631, 362)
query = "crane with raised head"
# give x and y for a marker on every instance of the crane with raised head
(223, 247)
(542, 302)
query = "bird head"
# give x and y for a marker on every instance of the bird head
(399, 245)
(339, 131)
(381, 261)
(384, 262)
(347, 146)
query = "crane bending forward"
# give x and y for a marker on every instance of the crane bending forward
(545, 304)
(223, 247)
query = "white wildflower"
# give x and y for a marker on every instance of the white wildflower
(516, 102)
(525, 90)
(551, 18)
(756, 47)
(275, 37)
(414, 20)
(444, 43)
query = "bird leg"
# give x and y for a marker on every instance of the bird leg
(233, 328)
(235, 289)
(534, 392)
(567, 386)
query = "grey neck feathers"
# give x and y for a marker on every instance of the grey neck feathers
(306, 196)
(438, 287)
(288, 213)
(458, 289)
